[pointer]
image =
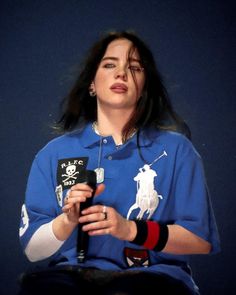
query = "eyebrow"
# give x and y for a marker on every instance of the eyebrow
(116, 59)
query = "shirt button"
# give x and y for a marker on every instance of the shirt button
(104, 140)
(109, 157)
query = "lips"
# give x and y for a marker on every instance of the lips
(119, 88)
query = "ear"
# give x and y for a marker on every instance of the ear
(92, 91)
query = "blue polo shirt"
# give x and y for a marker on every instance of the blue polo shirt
(172, 186)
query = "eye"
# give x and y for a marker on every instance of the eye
(109, 65)
(136, 68)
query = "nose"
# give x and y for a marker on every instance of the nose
(121, 73)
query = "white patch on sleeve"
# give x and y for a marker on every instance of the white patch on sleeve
(59, 194)
(25, 220)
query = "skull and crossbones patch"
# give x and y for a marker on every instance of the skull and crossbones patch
(69, 171)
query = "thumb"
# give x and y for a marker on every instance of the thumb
(100, 188)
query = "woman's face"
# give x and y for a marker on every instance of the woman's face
(120, 77)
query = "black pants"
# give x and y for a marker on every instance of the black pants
(73, 280)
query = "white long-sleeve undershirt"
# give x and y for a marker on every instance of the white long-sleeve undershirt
(43, 243)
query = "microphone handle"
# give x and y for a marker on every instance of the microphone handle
(83, 237)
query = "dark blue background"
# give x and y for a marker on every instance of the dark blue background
(41, 43)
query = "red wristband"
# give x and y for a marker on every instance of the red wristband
(153, 234)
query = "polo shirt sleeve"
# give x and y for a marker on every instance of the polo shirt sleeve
(193, 204)
(40, 200)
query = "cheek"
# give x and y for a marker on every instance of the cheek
(100, 81)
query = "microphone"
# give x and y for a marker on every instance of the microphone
(89, 177)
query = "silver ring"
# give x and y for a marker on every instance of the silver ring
(104, 211)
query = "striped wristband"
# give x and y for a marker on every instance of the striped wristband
(151, 235)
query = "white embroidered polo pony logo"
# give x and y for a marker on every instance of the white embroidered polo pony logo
(147, 198)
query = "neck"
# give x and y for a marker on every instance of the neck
(112, 124)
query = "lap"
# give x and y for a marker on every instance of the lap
(74, 280)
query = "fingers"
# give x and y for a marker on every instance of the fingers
(101, 220)
(97, 220)
(67, 206)
(78, 194)
(94, 213)
(84, 187)
(81, 191)
(97, 228)
(73, 199)
(81, 187)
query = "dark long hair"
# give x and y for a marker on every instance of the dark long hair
(153, 108)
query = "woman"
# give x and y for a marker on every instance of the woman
(151, 208)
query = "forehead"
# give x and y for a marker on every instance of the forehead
(121, 48)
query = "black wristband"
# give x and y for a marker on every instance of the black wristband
(163, 238)
(142, 232)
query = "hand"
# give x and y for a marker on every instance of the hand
(106, 220)
(76, 195)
